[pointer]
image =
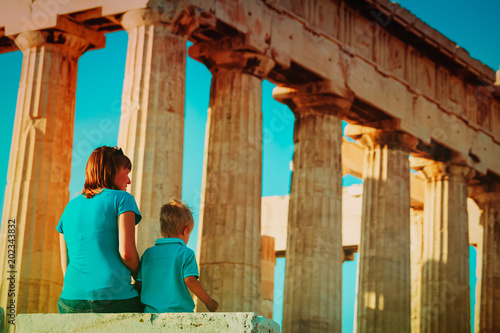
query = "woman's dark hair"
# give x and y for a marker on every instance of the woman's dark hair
(101, 169)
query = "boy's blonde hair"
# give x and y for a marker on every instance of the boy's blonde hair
(174, 218)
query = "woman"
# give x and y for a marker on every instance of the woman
(97, 239)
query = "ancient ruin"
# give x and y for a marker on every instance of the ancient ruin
(404, 88)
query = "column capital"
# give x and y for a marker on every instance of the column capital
(437, 170)
(181, 20)
(486, 193)
(322, 97)
(382, 133)
(235, 53)
(29, 39)
(67, 34)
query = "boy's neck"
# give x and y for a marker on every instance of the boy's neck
(175, 236)
(172, 236)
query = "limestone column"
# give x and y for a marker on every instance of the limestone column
(479, 277)
(384, 286)
(416, 244)
(267, 276)
(313, 271)
(445, 303)
(152, 121)
(487, 198)
(39, 169)
(229, 230)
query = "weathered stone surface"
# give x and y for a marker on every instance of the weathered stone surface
(314, 240)
(146, 322)
(229, 231)
(267, 276)
(152, 121)
(384, 254)
(315, 16)
(416, 243)
(433, 102)
(39, 171)
(275, 218)
(445, 304)
(488, 259)
(342, 50)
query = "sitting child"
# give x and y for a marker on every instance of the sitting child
(169, 268)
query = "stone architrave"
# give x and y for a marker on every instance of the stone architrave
(267, 276)
(313, 279)
(152, 121)
(384, 286)
(487, 198)
(445, 299)
(40, 169)
(229, 231)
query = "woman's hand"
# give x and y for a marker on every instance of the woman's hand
(126, 242)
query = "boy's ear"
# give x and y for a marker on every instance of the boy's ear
(187, 229)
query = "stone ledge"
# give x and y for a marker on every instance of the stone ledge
(146, 322)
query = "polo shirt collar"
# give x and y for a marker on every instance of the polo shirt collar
(169, 240)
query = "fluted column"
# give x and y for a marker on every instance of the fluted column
(313, 272)
(384, 286)
(152, 121)
(487, 198)
(39, 170)
(416, 244)
(479, 278)
(267, 276)
(445, 303)
(229, 231)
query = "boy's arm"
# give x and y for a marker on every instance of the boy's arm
(194, 285)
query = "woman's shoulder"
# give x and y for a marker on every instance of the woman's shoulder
(75, 199)
(117, 196)
(115, 193)
(104, 195)
(75, 205)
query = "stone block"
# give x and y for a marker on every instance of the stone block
(146, 322)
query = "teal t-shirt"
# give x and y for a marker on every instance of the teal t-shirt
(163, 269)
(90, 227)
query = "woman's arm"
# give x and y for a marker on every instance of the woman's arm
(64, 253)
(126, 239)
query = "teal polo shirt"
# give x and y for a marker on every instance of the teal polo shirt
(163, 269)
(90, 227)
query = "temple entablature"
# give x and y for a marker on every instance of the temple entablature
(395, 65)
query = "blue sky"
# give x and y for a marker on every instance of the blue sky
(100, 77)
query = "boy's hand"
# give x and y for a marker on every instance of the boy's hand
(212, 306)
(194, 285)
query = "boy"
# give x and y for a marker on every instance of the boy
(169, 268)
